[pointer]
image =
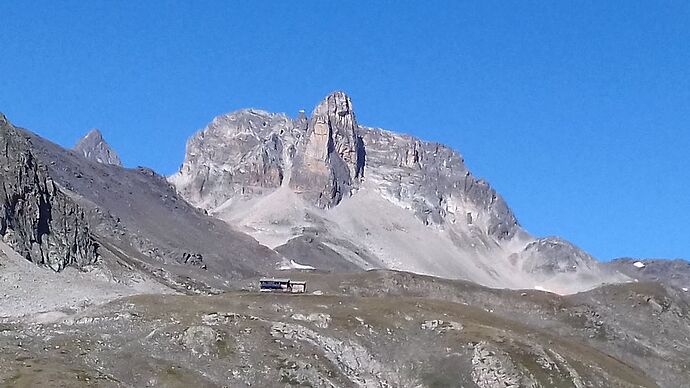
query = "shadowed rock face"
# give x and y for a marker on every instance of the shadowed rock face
(60, 209)
(94, 147)
(37, 218)
(372, 198)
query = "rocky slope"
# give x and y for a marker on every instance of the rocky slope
(374, 329)
(95, 148)
(37, 218)
(331, 193)
(674, 273)
(61, 209)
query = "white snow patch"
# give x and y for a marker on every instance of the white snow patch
(544, 289)
(295, 265)
(639, 264)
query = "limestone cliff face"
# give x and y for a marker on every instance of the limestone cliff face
(331, 162)
(38, 219)
(324, 159)
(433, 181)
(250, 153)
(371, 197)
(240, 154)
(93, 147)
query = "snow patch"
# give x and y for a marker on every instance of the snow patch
(295, 265)
(639, 264)
(544, 289)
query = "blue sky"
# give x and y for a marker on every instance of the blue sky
(577, 112)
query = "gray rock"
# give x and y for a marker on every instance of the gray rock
(37, 218)
(331, 158)
(240, 154)
(93, 147)
(249, 153)
(60, 209)
(553, 255)
(201, 340)
(434, 181)
(315, 165)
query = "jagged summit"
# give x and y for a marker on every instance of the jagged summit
(94, 147)
(417, 208)
(331, 161)
(338, 103)
(330, 193)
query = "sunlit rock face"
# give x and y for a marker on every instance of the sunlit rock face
(242, 153)
(330, 193)
(95, 148)
(331, 159)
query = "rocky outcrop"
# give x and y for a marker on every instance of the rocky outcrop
(433, 181)
(251, 152)
(38, 219)
(552, 255)
(201, 341)
(240, 154)
(494, 368)
(332, 158)
(350, 358)
(93, 147)
(323, 158)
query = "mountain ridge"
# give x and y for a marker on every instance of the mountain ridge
(129, 223)
(286, 182)
(170, 295)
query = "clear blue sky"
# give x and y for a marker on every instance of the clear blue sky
(577, 112)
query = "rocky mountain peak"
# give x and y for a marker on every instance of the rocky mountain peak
(337, 106)
(325, 183)
(94, 147)
(332, 158)
(336, 112)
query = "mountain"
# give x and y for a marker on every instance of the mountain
(62, 209)
(39, 220)
(109, 277)
(330, 193)
(95, 148)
